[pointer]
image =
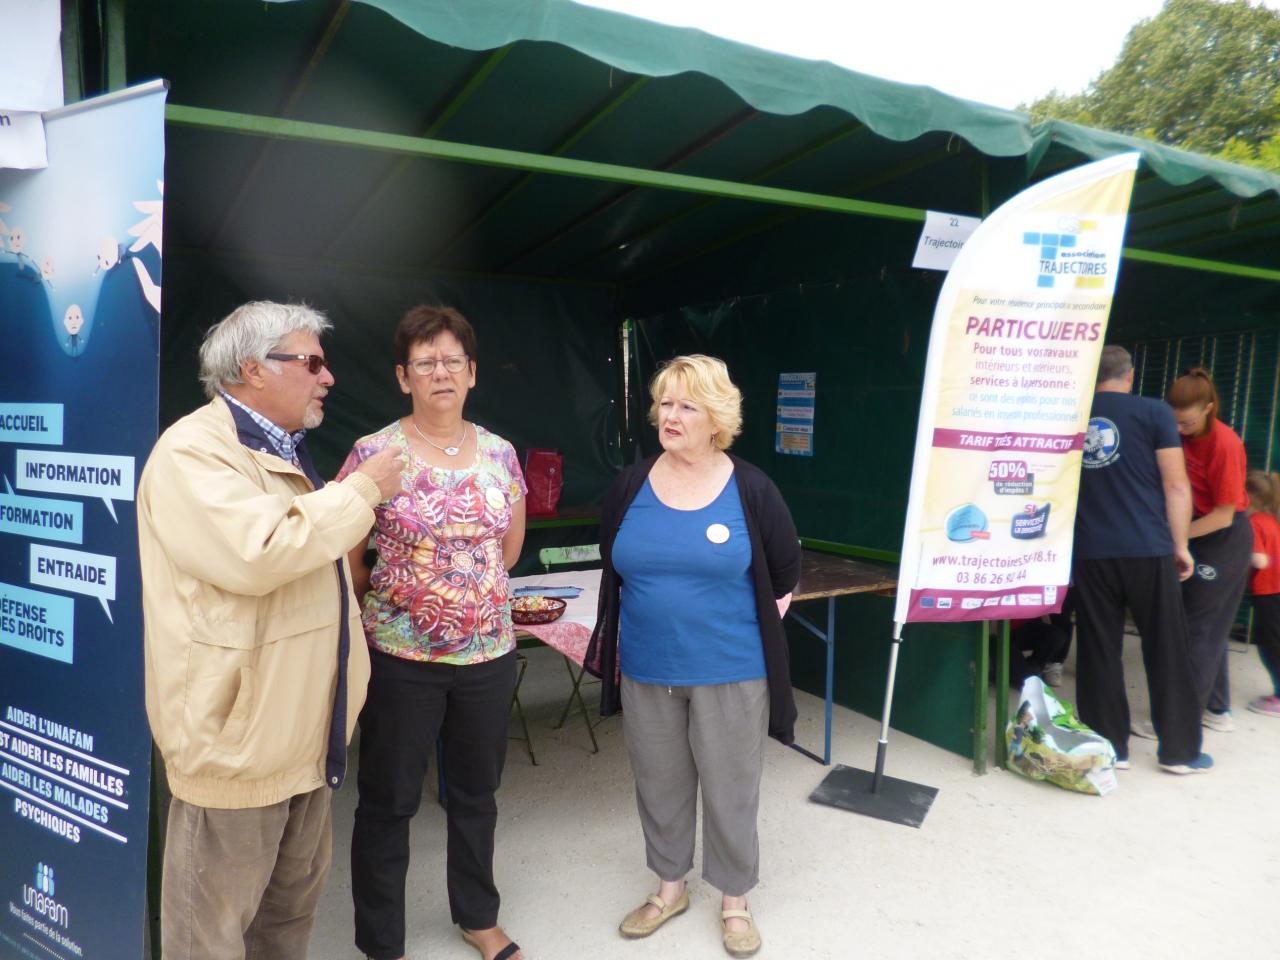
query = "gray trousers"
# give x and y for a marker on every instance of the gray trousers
(244, 884)
(680, 738)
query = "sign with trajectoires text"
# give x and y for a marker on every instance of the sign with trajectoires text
(79, 297)
(941, 239)
(1013, 359)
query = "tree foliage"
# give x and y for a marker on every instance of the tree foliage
(1203, 75)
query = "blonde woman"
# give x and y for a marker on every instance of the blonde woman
(700, 557)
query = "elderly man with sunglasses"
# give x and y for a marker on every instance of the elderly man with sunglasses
(255, 662)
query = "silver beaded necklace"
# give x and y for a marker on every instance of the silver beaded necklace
(451, 451)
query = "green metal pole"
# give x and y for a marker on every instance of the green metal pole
(155, 852)
(114, 43)
(559, 150)
(72, 61)
(1197, 263)
(260, 126)
(850, 550)
(276, 127)
(1002, 695)
(980, 667)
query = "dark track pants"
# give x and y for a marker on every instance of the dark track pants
(1148, 586)
(1212, 597)
(409, 704)
(1266, 634)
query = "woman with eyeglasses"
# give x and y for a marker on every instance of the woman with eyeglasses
(438, 623)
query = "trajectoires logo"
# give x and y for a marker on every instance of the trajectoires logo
(1063, 255)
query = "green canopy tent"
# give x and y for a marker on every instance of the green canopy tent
(597, 192)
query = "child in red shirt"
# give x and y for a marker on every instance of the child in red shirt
(1264, 585)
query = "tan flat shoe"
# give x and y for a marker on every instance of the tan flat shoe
(636, 924)
(740, 943)
(510, 950)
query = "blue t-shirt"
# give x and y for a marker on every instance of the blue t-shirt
(1122, 509)
(688, 613)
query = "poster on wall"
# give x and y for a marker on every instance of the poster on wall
(1013, 358)
(80, 245)
(794, 434)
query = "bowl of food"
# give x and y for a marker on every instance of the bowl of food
(530, 611)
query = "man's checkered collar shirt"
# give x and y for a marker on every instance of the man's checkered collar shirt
(284, 444)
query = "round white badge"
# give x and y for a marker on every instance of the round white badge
(493, 496)
(717, 533)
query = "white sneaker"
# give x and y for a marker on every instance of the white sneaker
(1052, 674)
(1201, 764)
(1222, 722)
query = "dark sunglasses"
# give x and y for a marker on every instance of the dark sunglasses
(315, 363)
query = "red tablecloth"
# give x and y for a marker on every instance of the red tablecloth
(572, 632)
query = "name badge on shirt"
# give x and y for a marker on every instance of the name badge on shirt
(717, 533)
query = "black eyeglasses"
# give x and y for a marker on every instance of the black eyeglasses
(315, 363)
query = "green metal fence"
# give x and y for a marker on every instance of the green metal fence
(1245, 366)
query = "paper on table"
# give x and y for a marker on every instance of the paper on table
(536, 590)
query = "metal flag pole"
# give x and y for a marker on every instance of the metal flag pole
(874, 794)
(882, 745)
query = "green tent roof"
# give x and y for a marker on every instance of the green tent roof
(767, 81)
(542, 138)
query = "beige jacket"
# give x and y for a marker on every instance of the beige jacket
(241, 605)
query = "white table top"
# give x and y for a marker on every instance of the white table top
(582, 609)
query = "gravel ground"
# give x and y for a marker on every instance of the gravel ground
(1164, 866)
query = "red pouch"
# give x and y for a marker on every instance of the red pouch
(544, 476)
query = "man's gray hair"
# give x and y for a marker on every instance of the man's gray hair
(250, 332)
(1116, 362)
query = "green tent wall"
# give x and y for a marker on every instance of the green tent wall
(554, 170)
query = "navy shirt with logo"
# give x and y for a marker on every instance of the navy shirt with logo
(1122, 511)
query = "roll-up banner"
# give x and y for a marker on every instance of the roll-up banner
(1013, 359)
(79, 308)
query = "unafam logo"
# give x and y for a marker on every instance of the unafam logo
(39, 897)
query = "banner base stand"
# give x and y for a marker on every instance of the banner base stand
(897, 801)
(874, 794)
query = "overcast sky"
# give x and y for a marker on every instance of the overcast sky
(1002, 52)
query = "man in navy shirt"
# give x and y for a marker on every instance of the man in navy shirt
(1131, 551)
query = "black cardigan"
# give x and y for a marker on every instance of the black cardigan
(775, 571)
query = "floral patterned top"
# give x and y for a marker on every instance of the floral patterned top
(438, 591)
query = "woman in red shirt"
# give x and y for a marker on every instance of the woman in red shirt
(1264, 507)
(1221, 538)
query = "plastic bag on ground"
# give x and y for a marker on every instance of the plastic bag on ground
(1047, 741)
